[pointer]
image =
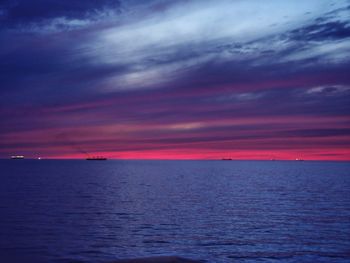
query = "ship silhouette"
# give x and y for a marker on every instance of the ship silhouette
(96, 158)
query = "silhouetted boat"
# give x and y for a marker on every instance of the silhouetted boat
(226, 159)
(17, 157)
(96, 158)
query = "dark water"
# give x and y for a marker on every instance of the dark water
(218, 211)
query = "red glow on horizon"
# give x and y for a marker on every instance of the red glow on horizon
(333, 155)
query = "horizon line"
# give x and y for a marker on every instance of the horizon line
(180, 159)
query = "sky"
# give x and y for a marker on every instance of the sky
(128, 79)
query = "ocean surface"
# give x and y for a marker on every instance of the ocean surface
(217, 211)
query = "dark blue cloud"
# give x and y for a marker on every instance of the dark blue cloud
(327, 30)
(20, 12)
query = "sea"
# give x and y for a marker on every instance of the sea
(214, 211)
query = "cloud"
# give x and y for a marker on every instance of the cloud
(329, 90)
(176, 41)
(326, 29)
(37, 13)
(162, 48)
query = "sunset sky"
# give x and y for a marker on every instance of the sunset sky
(241, 79)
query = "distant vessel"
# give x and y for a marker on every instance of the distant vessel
(226, 159)
(17, 157)
(96, 158)
(298, 159)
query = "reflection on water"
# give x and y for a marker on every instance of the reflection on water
(244, 211)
